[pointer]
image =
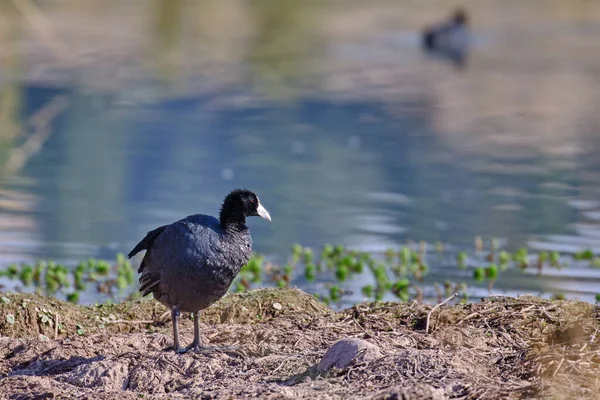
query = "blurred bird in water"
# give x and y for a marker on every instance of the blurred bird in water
(449, 39)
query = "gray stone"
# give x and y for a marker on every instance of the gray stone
(345, 351)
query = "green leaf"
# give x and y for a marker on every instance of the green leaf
(491, 272)
(479, 274)
(341, 272)
(335, 293)
(367, 290)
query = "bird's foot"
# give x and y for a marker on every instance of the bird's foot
(207, 350)
(183, 350)
(198, 348)
(217, 349)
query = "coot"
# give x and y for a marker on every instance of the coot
(191, 263)
(449, 39)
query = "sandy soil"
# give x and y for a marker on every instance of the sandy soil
(501, 347)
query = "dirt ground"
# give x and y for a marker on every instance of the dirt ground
(498, 348)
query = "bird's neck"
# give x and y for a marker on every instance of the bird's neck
(232, 223)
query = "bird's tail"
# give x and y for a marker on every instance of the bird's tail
(146, 242)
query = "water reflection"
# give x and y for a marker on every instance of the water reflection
(330, 114)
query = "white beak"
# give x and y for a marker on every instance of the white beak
(262, 212)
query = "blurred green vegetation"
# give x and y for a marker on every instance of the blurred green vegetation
(396, 272)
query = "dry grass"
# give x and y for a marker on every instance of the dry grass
(500, 347)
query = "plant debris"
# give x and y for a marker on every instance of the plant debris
(501, 347)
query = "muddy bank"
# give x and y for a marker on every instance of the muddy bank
(500, 347)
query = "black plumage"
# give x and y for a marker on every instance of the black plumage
(191, 263)
(449, 39)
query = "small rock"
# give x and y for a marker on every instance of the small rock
(345, 351)
(277, 306)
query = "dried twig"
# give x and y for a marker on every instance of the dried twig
(55, 325)
(435, 308)
(562, 360)
(133, 322)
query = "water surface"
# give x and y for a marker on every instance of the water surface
(331, 113)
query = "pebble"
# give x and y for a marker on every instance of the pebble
(345, 351)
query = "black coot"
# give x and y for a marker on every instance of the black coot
(191, 263)
(449, 39)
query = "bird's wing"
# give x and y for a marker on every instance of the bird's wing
(177, 250)
(147, 241)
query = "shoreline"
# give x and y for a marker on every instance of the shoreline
(500, 347)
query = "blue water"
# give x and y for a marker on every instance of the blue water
(344, 128)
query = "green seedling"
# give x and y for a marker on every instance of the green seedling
(479, 274)
(405, 255)
(520, 257)
(381, 276)
(73, 297)
(558, 296)
(240, 288)
(357, 266)
(341, 272)
(38, 270)
(447, 288)
(555, 259)
(297, 251)
(310, 272)
(461, 287)
(367, 290)
(464, 299)
(121, 282)
(491, 272)
(327, 251)
(26, 275)
(308, 255)
(389, 255)
(288, 270)
(338, 250)
(504, 257)
(254, 268)
(335, 293)
(12, 271)
(400, 289)
(586, 254)
(461, 258)
(102, 267)
(379, 293)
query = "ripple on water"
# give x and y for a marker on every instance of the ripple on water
(588, 230)
(584, 204)
(593, 215)
(564, 244)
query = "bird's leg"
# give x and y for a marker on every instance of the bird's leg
(175, 318)
(196, 345)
